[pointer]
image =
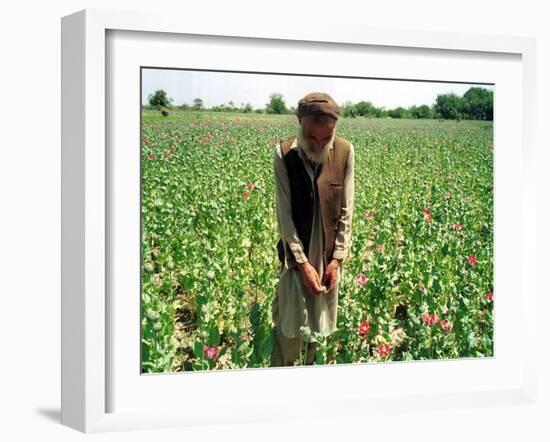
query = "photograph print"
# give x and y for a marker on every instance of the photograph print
(301, 220)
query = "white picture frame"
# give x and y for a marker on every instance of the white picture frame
(86, 359)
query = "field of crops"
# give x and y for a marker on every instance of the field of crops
(418, 283)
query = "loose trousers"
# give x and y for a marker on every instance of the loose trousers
(287, 350)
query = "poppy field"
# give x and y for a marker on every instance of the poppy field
(418, 283)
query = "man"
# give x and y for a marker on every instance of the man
(314, 177)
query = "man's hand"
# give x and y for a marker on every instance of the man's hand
(331, 274)
(310, 278)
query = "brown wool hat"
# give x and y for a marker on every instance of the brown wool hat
(318, 103)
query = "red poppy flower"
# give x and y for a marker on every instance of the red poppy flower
(251, 186)
(472, 260)
(246, 195)
(363, 328)
(368, 214)
(490, 296)
(429, 218)
(426, 211)
(384, 350)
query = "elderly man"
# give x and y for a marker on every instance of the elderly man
(314, 177)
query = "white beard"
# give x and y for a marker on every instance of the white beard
(309, 150)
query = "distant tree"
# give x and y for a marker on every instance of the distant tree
(159, 99)
(246, 109)
(365, 109)
(198, 104)
(423, 111)
(184, 106)
(435, 112)
(379, 112)
(399, 112)
(259, 111)
(348, 110)
(276, 104)
(382, 113)
(478, 103)
(449, 106)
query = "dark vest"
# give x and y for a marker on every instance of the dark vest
(329, 183)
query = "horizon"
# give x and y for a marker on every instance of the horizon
(218, 88)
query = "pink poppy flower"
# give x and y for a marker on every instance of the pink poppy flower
(361, 279)
(246, 337)
(472, 260)
(428, 319)
(426, 211)
(445, 325)
(368, 214)
(151, 157)
(421, 286)
(490, 296)
(457, 227)
(251, 186)
(429, 217)
(211, 352)
(246, 195)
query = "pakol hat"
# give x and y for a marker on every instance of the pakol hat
(317, 103)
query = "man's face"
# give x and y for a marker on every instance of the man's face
(317, 134)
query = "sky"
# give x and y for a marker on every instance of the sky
(216, 88)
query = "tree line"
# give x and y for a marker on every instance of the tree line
(475, 104)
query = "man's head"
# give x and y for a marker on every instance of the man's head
(317, 116)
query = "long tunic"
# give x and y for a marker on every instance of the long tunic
(293, 306)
